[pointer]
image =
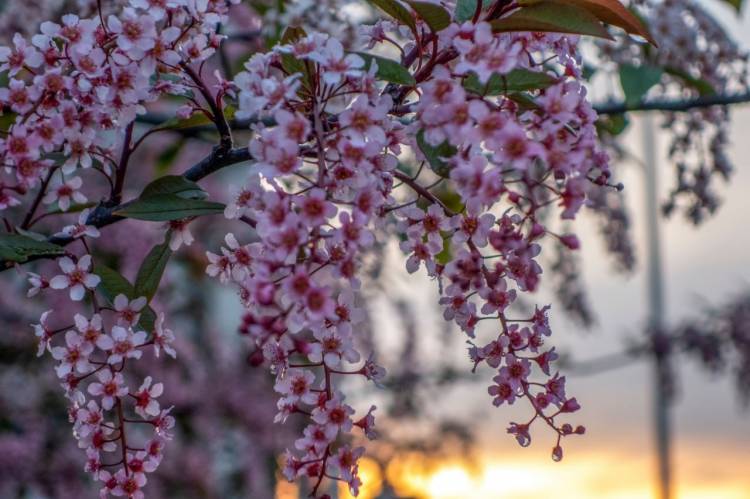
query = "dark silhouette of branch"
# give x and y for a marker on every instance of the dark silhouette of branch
(103, 214)
(673, 105)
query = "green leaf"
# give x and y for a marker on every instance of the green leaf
(611, 12)
(465, 9)
(168, 155)
(636, 81)
(525, 101)
(613, 124)
(436, 155)
(113, 284)
(702, 86)
(292, 34)
(152, 268)
(18, 248)
(163, 208)
(175, 185)
(148, 318)
(588, 71)
(737, 4)
(396, 11)
(436, 17)
(74, 208)
(195, 120)
(36, 236)
(518, 80)
(552, 17)
(388, 69)
(7, 119)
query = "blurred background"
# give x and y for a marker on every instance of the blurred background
(440, 435)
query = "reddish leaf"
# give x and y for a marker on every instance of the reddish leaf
(614, 13)
(554, 17)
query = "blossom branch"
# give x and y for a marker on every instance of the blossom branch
(673, 105)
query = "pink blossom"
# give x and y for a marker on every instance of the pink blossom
(91, 329)
(363, 122)
(334, 415)
(145, 398)
(80, 229)
(163, 338)
(77, 32)
(513, 148)
(121, 344)
(344, 462)
(179, 234)
(74, 356)
(296, 385)
(43, 332)
(127, 311)
(66, 192)
(129, 485)
(332, 347)
(337, 65)
(22, 54)
(504, 391)
(316, 438)
(109, 387)
(76, 277)
(137, 32)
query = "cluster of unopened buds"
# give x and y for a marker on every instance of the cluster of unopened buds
(346, 147)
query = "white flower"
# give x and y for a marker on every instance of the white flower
(145, 398)
(335, 415)
(128, 311)
(179, 234)
(74, 356)
(76, 277)
(163, 338)
(80, 229)
(37, 284)
(108, 388)
(91, 330)
(296, 385)
(122, 344)
(42, 332)
(66, 192)
(332, 347)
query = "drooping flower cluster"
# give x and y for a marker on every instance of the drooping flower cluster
(82, 76)
(92, 355)
(71, 89)
(346, 148)
(698, 58)
(325, 181)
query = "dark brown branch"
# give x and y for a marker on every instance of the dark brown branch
(219, 119)
(673, 105)
(103, 214)
(122, 167)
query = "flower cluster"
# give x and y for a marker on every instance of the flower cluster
(71, 88)
(698, 58)
(86, 75)
(91, 357)
(346, 149)
(325, 180)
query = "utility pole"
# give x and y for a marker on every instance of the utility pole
(656, 310)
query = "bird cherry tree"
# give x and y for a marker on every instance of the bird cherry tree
(348, 148)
